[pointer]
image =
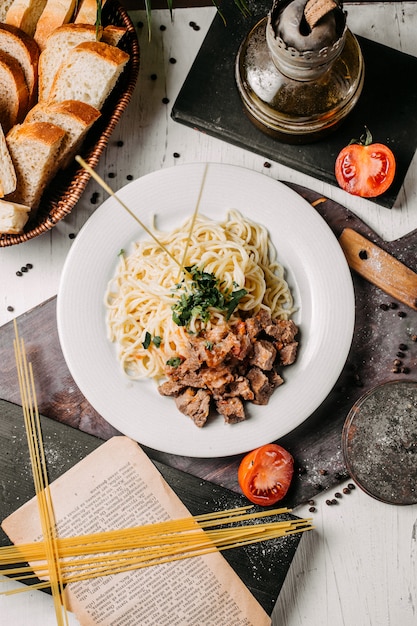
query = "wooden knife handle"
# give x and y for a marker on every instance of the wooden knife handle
(379, 267)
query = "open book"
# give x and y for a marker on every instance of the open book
(117, 486)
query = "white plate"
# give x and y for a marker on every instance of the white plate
(317, 273)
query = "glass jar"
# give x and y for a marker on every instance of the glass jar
(299, 94)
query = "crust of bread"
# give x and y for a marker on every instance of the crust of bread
(34, 148)
(7, 171)
(87, 12)
(113, 34)
(73, 116)
(14, 93)
(25, 14)
(13, 217)
(26, 52)
(58, 45)
(56, 13)
(89, 73)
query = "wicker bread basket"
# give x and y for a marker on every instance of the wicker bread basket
(67, 187)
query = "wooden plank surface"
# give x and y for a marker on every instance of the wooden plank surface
(315, 444)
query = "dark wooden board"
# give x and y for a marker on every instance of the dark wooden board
(209, 102)
(315, 444)
(262, 567)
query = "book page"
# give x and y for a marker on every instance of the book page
(117, 486)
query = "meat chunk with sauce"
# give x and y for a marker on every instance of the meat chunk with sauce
(195, 404)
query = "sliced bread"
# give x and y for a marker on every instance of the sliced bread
(14, 93)
(89, 73)
(34, 148)
(113, 34)
(56, 13)
(13, 217)
(4, 7)
(7, 172)
(25, 14)
(58, 45)
(87, 12)
(73, 116)
(26, 52)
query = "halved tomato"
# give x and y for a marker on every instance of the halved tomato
(364, 168)
(265, 474)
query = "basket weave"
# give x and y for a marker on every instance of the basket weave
(67, 187)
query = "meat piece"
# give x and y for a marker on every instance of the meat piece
(232, 410)
(288, 353)
(275, 379)
(240, 387)
(260, 385)
(263, 355)
(171, 388)
(216, 378)
(257, 323)
(284, 331)
(194, 404)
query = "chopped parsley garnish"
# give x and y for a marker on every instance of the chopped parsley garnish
(174, 362)
(147, 342)
(148, 339)
(203, 294)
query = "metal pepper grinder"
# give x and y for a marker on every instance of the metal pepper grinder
(300, 70)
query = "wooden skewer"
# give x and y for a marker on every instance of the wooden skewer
(110, 191)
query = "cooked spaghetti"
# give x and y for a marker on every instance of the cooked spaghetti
(148, 283)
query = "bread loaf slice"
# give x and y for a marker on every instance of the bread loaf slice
(4, 7)
(73, 116)
(25, 14)
(87, 12)
(89, 73)
(7, 172)
(26, 52)
(58, 45)
(113, 34)
(14, 93)
(13, 217)
(34, 149)
(56, 13)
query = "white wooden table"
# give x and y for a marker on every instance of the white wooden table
(359, 567)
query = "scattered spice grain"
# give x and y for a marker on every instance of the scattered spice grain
(351, 486)
(384, 306)
(165, 100)
(393, 305)
(346, 490)
(363, 255)
(172, 61)
(312, 509)
(162, 27)
(267, 164)
(71, 236)
(337, 494)
(403, 347)
(176, 155)
(10, 308)
(402, 314)
(329, 502)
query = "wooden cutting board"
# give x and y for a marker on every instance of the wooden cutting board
(315, 444)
